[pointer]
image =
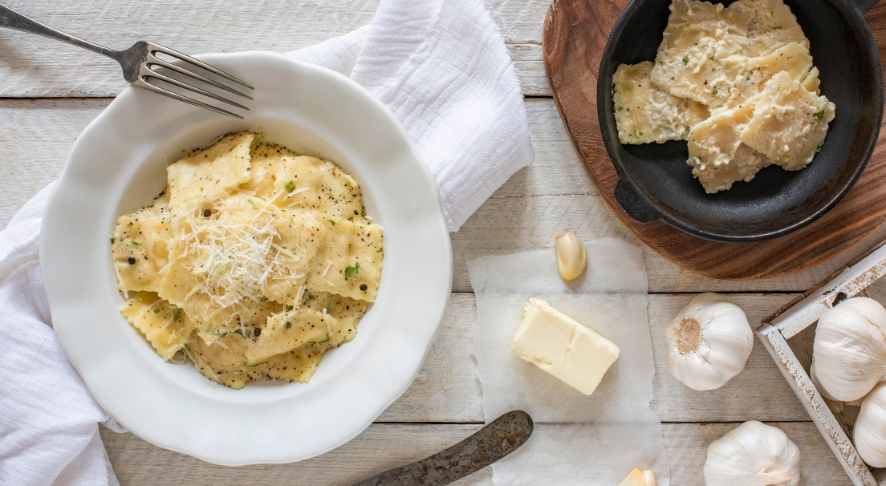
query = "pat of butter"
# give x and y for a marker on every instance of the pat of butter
(564, 348)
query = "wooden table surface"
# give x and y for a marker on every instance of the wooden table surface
(50, 91)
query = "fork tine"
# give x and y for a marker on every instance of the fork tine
(159, 62)
(184, 57)
(141, 83)
(153, 74)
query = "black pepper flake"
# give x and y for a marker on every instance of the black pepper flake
(131, 260)
(256, 332)
(363, 287)
(207, 213)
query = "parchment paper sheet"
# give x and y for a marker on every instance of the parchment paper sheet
(593, 440)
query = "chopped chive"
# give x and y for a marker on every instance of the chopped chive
(685, 59)
(818, 115)
(113, 240)
(157, 310)
(289, 186)
(351, 271)
(323, 341)
(331, 221)
(135, 243)
(288, 325)
(201, 189)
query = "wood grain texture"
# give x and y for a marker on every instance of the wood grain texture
(539, 202)
(31, 66)
(575, 36)
(385, 446)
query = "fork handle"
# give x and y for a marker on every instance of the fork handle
(14, 20)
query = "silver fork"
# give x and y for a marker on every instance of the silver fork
(137, 63)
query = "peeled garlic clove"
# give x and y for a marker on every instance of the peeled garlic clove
(571, 255)
(850, 349)
(710, 342)
(640, 477)
(753, 454)
(869, 432)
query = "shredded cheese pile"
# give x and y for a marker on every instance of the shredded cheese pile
(236, 259)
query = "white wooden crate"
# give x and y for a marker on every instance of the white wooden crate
(788, 334)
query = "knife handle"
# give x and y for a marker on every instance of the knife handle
(489, 444)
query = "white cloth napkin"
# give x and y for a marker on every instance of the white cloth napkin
(443, 70)
(48, 420)
(439, 65)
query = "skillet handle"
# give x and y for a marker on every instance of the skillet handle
(862, 6)
(633, 204)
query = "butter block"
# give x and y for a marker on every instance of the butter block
(564, 348)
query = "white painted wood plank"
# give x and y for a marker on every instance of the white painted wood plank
(385, 446)
(539, 202)
(31, 66)
(35, 138)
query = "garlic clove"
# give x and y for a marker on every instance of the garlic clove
(640, 477)
(850, 349)
(753, 454)
(710, 342)
(572, 257)
(869, 432)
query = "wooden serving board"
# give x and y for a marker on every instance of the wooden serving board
(575, 34)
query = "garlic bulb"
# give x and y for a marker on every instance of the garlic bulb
(640, 477)
(710, 342)
(754, 454)
(572, 257)
(836, 406)
(850, 349)
(869, 432)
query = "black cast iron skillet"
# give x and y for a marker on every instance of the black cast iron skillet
(656, 183)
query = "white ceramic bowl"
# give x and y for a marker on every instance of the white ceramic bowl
(118, 164)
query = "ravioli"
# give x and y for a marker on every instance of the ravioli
(211, 173)
(716, 153)
(644, 113)
(695, 59)
(249, 273)
(771, 24)
(349, 261)
(789, 124)
(793, 59)
(163, 325)
(141, 237)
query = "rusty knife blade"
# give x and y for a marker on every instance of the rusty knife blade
(489, 444)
